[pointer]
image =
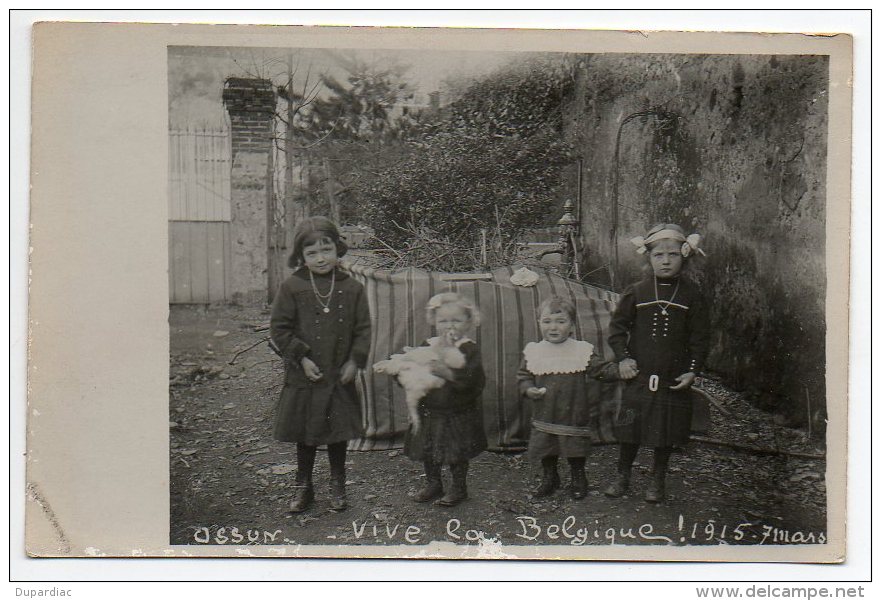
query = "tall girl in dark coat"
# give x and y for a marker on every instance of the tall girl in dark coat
(659, 336)
(320, 325)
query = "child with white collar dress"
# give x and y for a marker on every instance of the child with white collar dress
(555, 374)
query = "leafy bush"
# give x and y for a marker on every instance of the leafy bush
(490, 160)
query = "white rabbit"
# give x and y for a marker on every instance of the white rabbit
(412, 367)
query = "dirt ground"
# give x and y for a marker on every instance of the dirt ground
(231, 483)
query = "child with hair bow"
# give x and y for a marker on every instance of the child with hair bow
(659, 336)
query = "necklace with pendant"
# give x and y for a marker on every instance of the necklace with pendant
(665, 304)
(324, 299)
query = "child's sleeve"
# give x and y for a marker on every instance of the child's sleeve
(525, 378)
(622, 323)
(698, 334)
(361, 330)
(471, 377)
(600, 369)
(282, 327)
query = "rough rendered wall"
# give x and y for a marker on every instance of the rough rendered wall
(250, 259)
(734, 148)
(250, 104)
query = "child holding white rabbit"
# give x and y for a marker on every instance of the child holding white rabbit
(450, 430)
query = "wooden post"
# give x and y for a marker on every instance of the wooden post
(272, 242)
(810, 416)
(291, 215)
(328, 190)
(568, 225)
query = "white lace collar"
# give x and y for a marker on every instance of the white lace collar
(568, 357)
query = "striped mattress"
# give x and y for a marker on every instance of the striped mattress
(508, 321)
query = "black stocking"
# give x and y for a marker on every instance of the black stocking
(576, 463)
(662, 459)
(626, 457)
(336, 453)
(305, 462)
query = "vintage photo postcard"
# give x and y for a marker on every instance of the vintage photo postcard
(427, 293)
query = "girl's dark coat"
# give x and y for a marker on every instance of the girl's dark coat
(326, 411)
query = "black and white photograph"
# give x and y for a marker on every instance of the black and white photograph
(333, 293)
(495, 299)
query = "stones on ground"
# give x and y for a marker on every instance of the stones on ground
(283, 468)
(711, 480)
(220, 333)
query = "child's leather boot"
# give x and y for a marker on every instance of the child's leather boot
(579, 478)
(303, 497)
(655, 493)
(433, 488)
(338, 500)
(550, 479)
(458, 491)
(620, 487)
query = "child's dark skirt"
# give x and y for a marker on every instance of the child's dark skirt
(654, 419)
(447, 437)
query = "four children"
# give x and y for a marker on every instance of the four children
(320, 325)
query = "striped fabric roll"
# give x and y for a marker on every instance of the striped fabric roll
(508, 321)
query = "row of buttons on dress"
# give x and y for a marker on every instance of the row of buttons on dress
(655, 325)
(318, 312)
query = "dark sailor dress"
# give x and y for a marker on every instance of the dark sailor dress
(667, 336)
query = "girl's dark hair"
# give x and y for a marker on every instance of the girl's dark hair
(556, 304)
(312, 230)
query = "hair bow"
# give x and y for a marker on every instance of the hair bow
(691, 245)
(639, 243)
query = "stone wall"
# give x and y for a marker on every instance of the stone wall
(733, 147)
(251, 105)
